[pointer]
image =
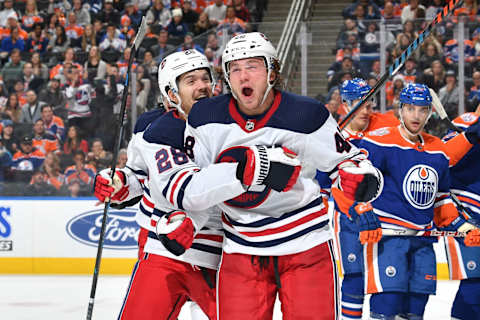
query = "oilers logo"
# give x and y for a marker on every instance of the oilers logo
(420, 186)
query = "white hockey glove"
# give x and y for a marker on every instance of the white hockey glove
(360, 180)
(176, 232)
(277, 168)
(124, 189)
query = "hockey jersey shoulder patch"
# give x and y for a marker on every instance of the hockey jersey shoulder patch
(145, 119)
(379, 132)
(168, 130)
(212, 110)
(465, 120)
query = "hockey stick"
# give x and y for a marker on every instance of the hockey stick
(398, 63)
(441, 111)
(118, 140)
(415, 233)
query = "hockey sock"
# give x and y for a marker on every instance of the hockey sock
(415, 304)
(386, 305)
(467, 302)
(352, 296)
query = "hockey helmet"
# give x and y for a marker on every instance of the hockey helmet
(250, 45)
(354, 90)
(176, 64)
(416, 94)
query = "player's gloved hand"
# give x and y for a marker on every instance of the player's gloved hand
(367, 222)
(176, 232)
(360, 180)
(472, 133)
(105, 188)
(473, 238)
(277, 168)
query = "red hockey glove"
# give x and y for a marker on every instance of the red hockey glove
(277, 168)
(367, 222)
(176, 232)
(105, 189)
(360, 180)
(473, 238)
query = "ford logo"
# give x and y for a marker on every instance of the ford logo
(121, 231)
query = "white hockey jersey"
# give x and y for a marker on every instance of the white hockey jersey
(176, 183)
(263, 221)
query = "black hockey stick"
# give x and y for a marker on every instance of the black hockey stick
(399, 62)
(118, 140)
(422, 233)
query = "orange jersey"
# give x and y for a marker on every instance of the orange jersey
(46, 144)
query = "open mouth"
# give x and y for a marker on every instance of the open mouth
(247, 92)
(200, 98)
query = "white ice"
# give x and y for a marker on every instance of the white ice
(66, 298)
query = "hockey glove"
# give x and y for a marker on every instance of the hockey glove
(176, 232)
(472, 133)
(360, 180)
(105, 188)
(276, 168)
(367, 222)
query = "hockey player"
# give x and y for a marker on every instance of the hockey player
(275, 243)
(175, 263)
(400, 272)
(464, 261)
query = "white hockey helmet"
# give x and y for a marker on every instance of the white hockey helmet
(250, 45)
(176, 64)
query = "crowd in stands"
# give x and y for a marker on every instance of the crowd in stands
(62, 68)
(357, 52)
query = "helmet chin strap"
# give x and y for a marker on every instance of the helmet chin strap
(269, 86)
(178, 105)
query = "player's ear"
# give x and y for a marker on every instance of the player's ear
(172, 96)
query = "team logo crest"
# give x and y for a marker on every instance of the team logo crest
(250, 125)
(420, 186)
(379, 132)
(390, 271)
(469, 117)
(471, 265)
(351, 257)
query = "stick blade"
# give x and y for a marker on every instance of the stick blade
(142, 30)
(437, 104)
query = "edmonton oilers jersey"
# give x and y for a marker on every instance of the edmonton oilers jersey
(465, 182)
(176, 183)
(416, 177)
(262, 221)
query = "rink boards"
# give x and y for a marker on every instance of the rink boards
(60, 236)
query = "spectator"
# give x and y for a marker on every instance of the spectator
(74, 31)
(32, 110)
(430, 54)
(177, 29)
(43, 140)
(98, 157)
(89, 38)
(231, 25)
(126, 29)
(188, 44)
(54, 97)
(3, 99)
(348, 29)
(11, 42)
(123, 64)
(99, 31)
(26, 160)
(94, 7)
(391, 17)
(8, 138)
(30, 81)
(13, 108)
(53, 124)
(134, 14)
(112, 41)
(81, 172)
(144, 77)
(114, 88)
(109, 15)
(40, 70)
(95, 67)
(51, 171)
(435, 7)
(241, 11)
(393, 88)
(59, 42)
(78, 94)
(68, 63)
(409, 12)
(5, 163)
(73, 142)
(408, 28)
(7, 11)
(150, 65)
(122, 158)
(401, 45)
(409, 71)
(37, 41)
(451, 55)
(12, 23)
(449, 94)
(12, 70)
(141, 98)
(338, 69)
(19, 90)
(162, 48)
(31, 16)
(370, 7)
(82, 16)
(190, 16)
(216, 12)
(39, 187)
(475, 89)
(202, 25)
(360, 17)
(212, 43)
(158, 14)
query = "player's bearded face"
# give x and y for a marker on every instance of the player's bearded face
(414, 117)
(194, 86)
(248, 78)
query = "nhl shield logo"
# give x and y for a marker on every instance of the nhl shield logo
(420, 186)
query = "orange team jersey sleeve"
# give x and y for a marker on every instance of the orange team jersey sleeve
(381, 120)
